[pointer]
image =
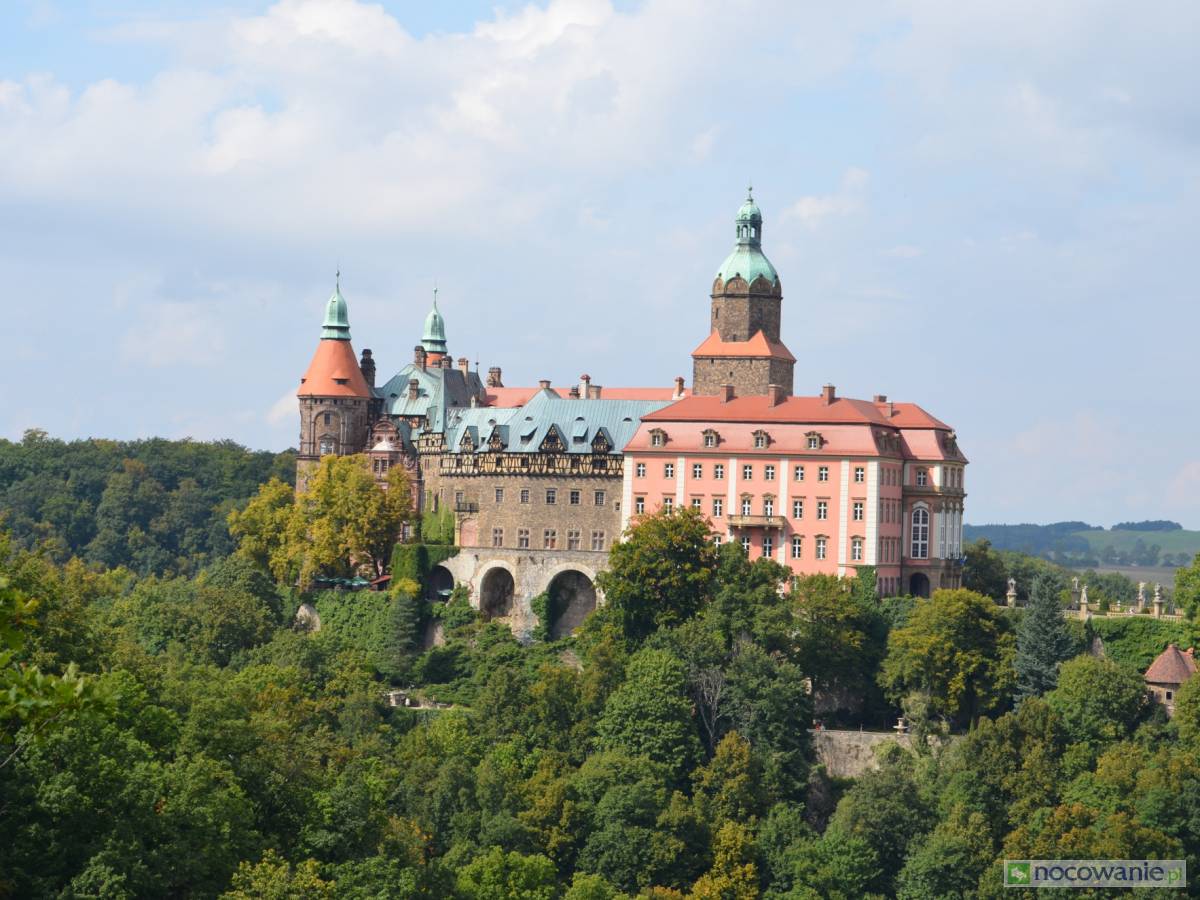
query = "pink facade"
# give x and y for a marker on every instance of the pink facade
(821, 484)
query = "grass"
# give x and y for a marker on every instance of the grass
(1168, 541)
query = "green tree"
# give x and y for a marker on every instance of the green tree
(958, 648)
(660, 573)
(261, 529)
(984, 571)
(274, 878)
(1099, 702)
(498, 875)
(1187, 587)
(734, 875)
(1043, 642)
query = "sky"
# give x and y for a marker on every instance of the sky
(991, 210)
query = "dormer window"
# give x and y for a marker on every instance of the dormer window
(815, 441)
(658, 437)
(711, 438)
(761, 440)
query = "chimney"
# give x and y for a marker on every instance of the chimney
(726, 393)
(367, 364)
(891, 409)
(678, 387)
(574, 392)
(464, 365)
(413, 388)
(419, 356)
(828, 394)
(544, 384)
(593, 392)
(774, 394)
(447, 362)
(880, 399)
(493, 379)
(585, 382)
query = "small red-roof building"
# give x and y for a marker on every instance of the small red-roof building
(1169, 671)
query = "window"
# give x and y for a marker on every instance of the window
(1169, 694)
(718, 507)
(797, 546)
(821, 545)
(551, 496)
(768, 506)
(697, 470)
(524, 495)
(710, 439)
(745, 506)
(657, 439)
(459, 498)
(769, 473)
(768, 545)
(497, 537)
(814, 442)
(856, 549)
(523, 538)
(696, 503)
(641, 470)
(860, 474)
(797, 509)
(760, 441)
(922, 477)
(573, 539)
(326, 447)
(746, 544)
(920, 533)
(719, 472)
(822, 509)
(747, 472)
(328, 418)
(575, 498)
(597, 540)
(858, 510)
(549, 539)
(822, 473)
(668, 503)
(639, 504)
(598, 498)
(717, 540)
(798, 473)
(668, 470)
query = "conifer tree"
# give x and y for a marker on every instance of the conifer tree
(1043, 641)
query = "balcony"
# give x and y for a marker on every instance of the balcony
(463, 507)
(756, 521)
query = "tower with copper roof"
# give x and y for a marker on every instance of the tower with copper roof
(744, 349)
(334, 395)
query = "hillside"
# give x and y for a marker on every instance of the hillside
(1078, 544)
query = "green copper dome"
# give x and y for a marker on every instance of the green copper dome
(434, 339)
(747, 259)
(337, 318)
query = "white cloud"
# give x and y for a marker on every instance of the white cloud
(171, 334)
(813, 211)
(284, 409)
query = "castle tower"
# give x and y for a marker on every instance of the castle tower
(744, 349)
(433, 341)
(334, 396)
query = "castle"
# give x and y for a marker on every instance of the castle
(541, 481)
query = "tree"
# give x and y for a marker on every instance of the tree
(958, 648)
(660, 573)
(984, 571)
(1043, 642)
(261, 529)
(274, 878)
(830, 633)
(508, 876)
(649, 715)
(734, 875)
(1099, 701)
(1187, 587)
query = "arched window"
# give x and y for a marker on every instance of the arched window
(920, 533)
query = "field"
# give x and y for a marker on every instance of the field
(1168, 541)
(1149, 574)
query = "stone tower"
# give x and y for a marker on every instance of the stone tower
(744, 349)
(334, 396)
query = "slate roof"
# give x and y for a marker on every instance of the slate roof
(1172, 666)
(437, 390)
(523, 429)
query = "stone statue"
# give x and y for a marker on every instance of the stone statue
(1141, 594)
(1083, 597)
(1075, 584)
(1011, 596)
(1158, 593)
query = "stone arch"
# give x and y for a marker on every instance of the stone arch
(572, 597)
(440, 583)
(918, 584)
(497, 589)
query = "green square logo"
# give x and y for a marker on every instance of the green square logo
(1016, 874)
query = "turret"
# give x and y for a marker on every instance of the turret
(434, 338)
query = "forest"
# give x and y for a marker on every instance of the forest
(169, 730)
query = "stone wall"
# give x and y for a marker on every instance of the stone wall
(848, 754)
(749, 377)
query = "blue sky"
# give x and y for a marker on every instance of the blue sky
(991, 210)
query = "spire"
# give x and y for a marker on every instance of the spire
(337, 318)
(747, 259)
(434, 338)
(749, 221)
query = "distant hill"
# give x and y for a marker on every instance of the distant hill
(1078, 544)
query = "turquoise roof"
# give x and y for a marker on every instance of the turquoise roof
(747, 258)
(337, 317)
(437, 390)
(576, 421)
(434, 338)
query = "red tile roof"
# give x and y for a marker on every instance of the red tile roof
(505, 397)
(511, 397)
(759, 409)
(757, 347)
(333, 372)
(1172, 666)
